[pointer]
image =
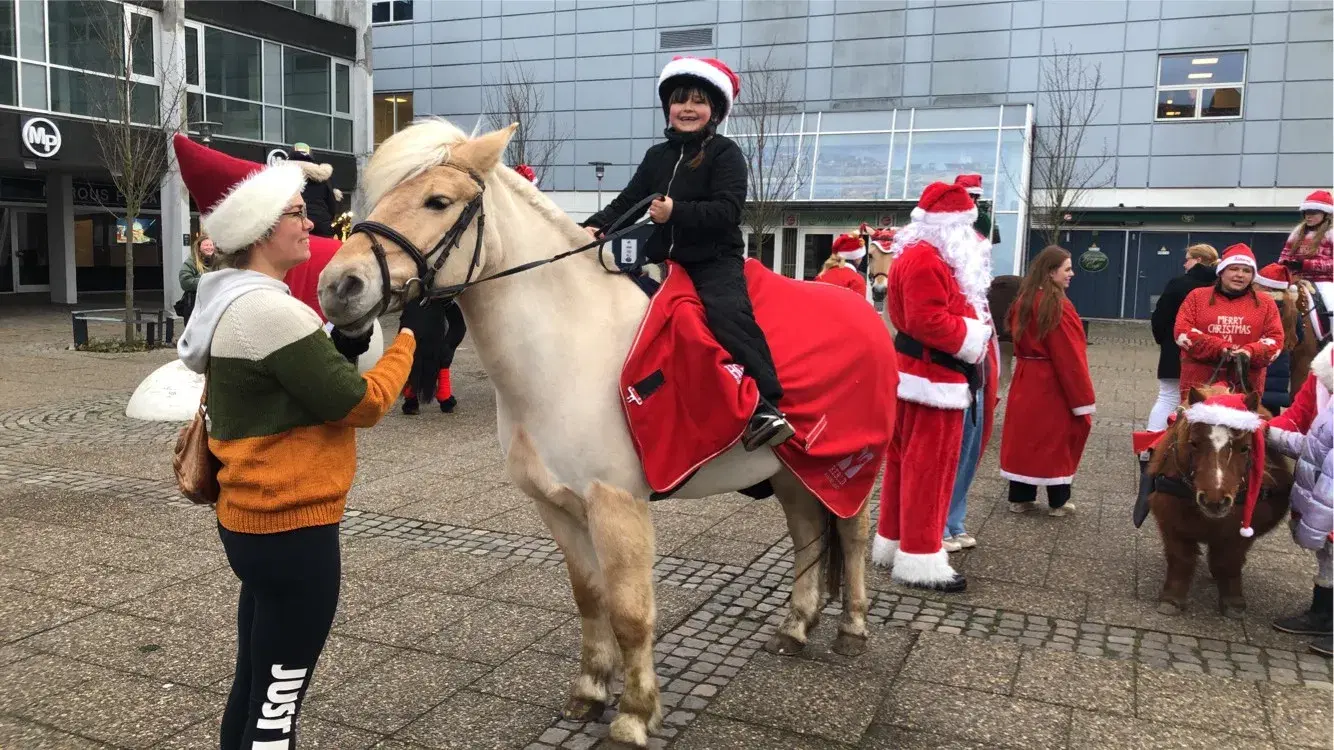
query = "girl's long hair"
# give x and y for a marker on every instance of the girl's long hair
(202, 264)
(1037, 280)
(1321, 230)
(683, 94)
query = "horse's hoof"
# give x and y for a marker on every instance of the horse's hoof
(1169, 608)
(782, 644)
(629, 730)
(1234, 610)
(583, 709)
(849, 644)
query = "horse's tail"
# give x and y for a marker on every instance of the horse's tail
(833, 555)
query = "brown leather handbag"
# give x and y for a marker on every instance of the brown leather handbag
(196, 466)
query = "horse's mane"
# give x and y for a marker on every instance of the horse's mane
(542, 203)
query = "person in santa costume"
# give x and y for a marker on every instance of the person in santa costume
(1309, 252)
(1274, 281)
(841, 269)
(1228, 321)
(947, 381)
(1051, 403)
(985, 224)
(1305, 432)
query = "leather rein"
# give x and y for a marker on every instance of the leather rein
(426, 270)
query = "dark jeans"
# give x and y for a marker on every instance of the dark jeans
(289, 591)
(721, 284)
(1057, 494)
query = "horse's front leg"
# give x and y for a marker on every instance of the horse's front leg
(590, 692)
(805, 523)
(623, 537)
(852, 535)
(1181, 554)
(1226, 559)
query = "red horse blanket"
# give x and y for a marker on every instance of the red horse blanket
(687, 402)
(304, 280)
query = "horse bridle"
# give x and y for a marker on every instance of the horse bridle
(426, 271)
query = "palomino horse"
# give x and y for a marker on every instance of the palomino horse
(553, 340)
(1304, 351)
(1199, 473)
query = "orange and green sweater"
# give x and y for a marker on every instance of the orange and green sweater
(283, 404)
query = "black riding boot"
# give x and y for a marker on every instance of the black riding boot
(1142, 500)
(767, 426)
(1318, 620)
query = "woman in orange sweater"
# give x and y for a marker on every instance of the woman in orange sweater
(283, 400)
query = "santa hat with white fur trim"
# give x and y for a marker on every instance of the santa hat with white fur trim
(944, 205)
(1229, 410)
(1274, 276)
(239, 201)
(1320, 200)
(713, 75)
(970, 182)
(850, 246)
(1238, 255)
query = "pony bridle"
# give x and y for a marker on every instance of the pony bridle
(426, 270)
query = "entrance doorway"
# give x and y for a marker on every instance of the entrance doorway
(24, 251)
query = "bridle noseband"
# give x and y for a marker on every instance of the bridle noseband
(426, 270)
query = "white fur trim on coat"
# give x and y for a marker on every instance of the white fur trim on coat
(1323, 367)
(974, 341)
(1223, 416)
(919, 390)
(1080, 411)
(253, 207)
(1317, 206)
(1036, 481)
(882, 551)
(932, 567)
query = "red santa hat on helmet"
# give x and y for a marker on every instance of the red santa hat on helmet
(1238, 255)
(944, 205)
(970, 182)
(239, 201)
(711, 74)
(1230, 411)
(1274, 276)
(850, 246)
(1320, 200)
(527, 172)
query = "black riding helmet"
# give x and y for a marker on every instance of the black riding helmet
(709, 75)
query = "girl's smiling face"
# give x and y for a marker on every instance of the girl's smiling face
(689, 110)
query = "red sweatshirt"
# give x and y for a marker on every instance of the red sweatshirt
(1209, 323)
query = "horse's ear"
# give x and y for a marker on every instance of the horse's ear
(1252, 400)
(1194, 396)
(483, 153)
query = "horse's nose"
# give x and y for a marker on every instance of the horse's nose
(1228, 499)
(349, 286)
(1199, 496)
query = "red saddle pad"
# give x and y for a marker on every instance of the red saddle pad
(687, 402)
(304, 280)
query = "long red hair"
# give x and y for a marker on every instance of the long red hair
(1038, 279)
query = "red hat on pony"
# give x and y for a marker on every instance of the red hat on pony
(881, 238)
(1320, 200)
(944, 205)
(1229, 410)
(527, 172)
(970, 182)
(1238, 255)
(239, 201)
(1274, 276)
(712, 74)
(850, 246)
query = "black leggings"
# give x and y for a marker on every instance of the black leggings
(289, 591)
(1057, 494)
(721, 285)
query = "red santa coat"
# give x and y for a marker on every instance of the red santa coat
(846, 277)
(1317, 264)
(1050, 406)
(304, 280)
(1209, 323)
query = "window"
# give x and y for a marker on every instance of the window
(389, 11)
(851, 166)
(94, 48)
(393, 112)
(1200, 85)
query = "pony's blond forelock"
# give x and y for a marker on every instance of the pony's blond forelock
(411, 151)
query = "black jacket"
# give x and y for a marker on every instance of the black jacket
(706, 201)
(984, 220)
(321, 203)
(1165, 316)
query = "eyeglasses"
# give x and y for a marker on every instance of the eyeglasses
(297, 212)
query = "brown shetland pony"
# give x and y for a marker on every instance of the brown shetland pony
(1209, 464)
(1304, 351)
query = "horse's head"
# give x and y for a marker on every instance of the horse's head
(1213, 449)
(425, 185)
(877, 266)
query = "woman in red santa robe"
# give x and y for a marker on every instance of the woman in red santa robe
(938, 304)
(840, 269)
(1050, 407)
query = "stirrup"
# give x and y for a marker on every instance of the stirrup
(766, 429)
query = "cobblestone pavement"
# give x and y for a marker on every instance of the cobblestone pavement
(456, 627)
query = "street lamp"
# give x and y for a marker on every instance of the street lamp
(205, 128)
(600, 169)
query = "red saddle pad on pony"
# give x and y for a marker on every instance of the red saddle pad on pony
(304, 280)
(687, 402)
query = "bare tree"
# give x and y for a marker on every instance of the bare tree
(1062, 171)
(136, 120)
(766, 123)
(517, 97)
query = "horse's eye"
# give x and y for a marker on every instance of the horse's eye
(1244, 448)
(437, 203)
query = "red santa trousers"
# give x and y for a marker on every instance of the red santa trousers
(915, 495)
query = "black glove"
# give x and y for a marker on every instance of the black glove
(351, 347)
(420, 316)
